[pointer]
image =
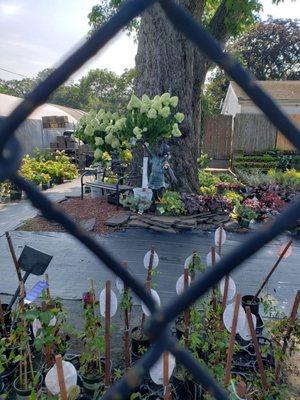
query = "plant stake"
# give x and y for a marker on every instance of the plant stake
(47, 289)
(232, 338)
(107, 378)
(61, 378)
(257, 351)
(281, 256)
(292, 319)
(186, 314)
(150, 266)
(2, 319)
(127, 356)
(167, 389)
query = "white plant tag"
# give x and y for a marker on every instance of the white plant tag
(209, 258)
(113, 303)
(231, 288)
(245, 332)
(156, 299)
(180, 284)
(70, 375)
(120, 285)
(188, 261)
(36, 326)
(228, 316)
(157, 371)
(217, 236)
(147, 260)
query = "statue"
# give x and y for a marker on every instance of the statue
(160, 166)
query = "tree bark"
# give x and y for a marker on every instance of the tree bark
(168, 62)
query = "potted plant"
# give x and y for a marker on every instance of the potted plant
(27, 385)
(91, 362)
(45, 181)
(244, 215)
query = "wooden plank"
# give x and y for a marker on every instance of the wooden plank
(217, 137)
(253, 132)
(282, 142)
(61, 378)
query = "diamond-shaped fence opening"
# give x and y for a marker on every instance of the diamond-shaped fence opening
(157, 326)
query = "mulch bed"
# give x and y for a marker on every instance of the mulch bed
(80, 211)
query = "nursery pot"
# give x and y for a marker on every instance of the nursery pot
(92, 382)
(137, 343)
(244, 223)
(24, 394)
(8, 375)
(45, 186)
(247, 301)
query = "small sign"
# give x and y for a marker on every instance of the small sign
(36, 291)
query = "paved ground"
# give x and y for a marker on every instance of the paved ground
(72, 264)
(14, 214)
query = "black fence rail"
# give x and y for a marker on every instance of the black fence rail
(158, 325)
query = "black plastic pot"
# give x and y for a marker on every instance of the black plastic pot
(22, 394)
(244, 223)
(187, 389)
(45, 186)
(8, 375)
(137, 344)
(92, 383)
(247, 301)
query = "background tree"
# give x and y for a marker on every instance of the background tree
(167, 62)
(270, 50)
(98, 89)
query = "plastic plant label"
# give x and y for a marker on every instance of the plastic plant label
(36, 326)
(120, 285)
(147, 260)
(157, 371)
(35, 291)
(245, 332)
(219, 231)
(231, 288)
(288, 252)
(70, 375)
(180, 284)
(156, 299)
(209, 259)
(228, 316)
(113, 303)
(188, 261)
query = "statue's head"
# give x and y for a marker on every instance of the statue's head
(164, 149)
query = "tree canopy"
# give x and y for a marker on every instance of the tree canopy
(270, 51)
(98, 89)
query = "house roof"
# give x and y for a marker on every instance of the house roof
(9, 103)
(279, 90)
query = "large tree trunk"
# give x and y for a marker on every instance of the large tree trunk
(167, 62)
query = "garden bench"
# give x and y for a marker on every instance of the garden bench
(117, 187)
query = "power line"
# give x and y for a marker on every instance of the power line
(14, 73)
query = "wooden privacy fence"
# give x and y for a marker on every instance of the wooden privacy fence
(224, 135)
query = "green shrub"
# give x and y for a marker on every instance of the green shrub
(171, 204)
(207, 179)
(234, 197)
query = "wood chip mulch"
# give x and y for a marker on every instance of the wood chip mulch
(81, 211)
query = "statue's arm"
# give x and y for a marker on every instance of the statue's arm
(147, 150)
(171, 174)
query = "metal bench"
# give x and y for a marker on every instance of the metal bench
(117, 187)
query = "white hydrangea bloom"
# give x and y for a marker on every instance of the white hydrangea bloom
(137, 131)
(98, 141)
(175, 131)
(156, 103)
(165, 98)
(174, 101)
(97, 154)
(152, 114)
(165, 112)
(134, 102)
(179, 117)
(115, 143)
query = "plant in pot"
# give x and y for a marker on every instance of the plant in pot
(29, 382)
(45, 181)
(243, 215)
(49, 329)
(91, 362)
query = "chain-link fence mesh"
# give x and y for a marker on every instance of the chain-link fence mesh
(157, 327)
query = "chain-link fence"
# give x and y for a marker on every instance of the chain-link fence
(158, 325)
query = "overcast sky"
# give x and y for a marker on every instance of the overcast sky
(34, 34)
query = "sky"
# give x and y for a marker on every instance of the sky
(37, 34)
